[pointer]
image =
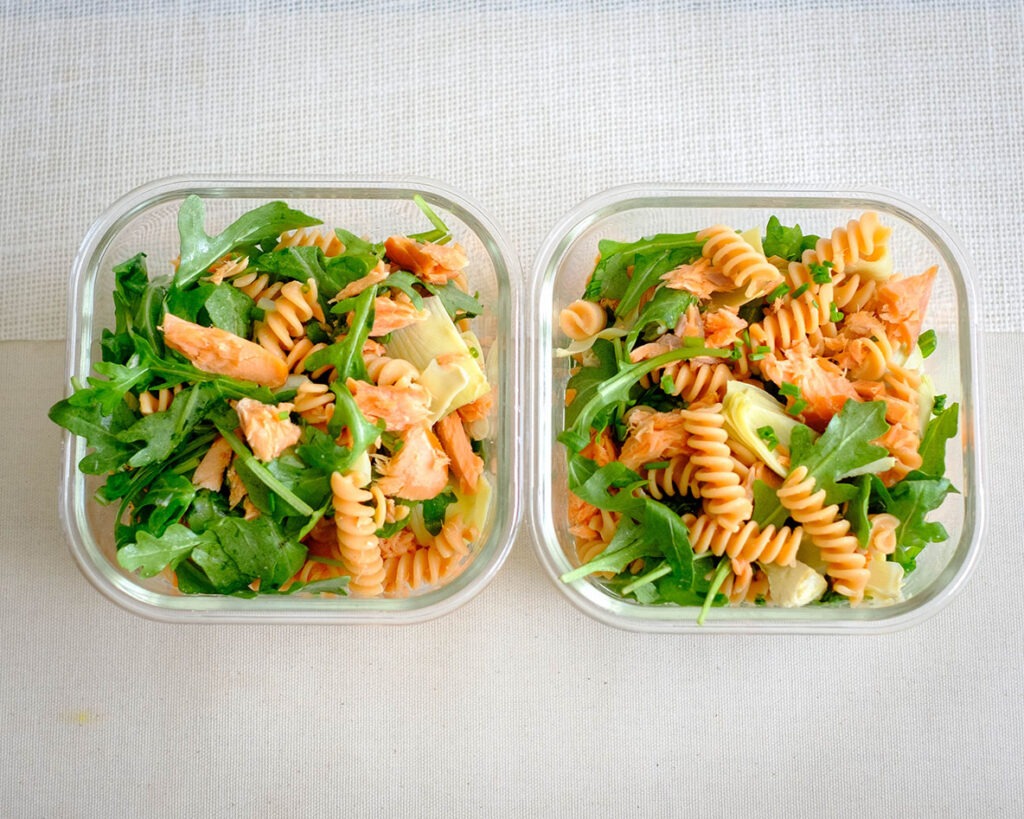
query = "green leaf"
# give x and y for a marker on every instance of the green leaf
(857, 511)
(456, 303)
(199, 251)
(662, 311)
(844, 447)
(101, 433)
(787, 242)
(165, 502)
(911, 501)
(258, 550)
(151, 555)
(347, 415)
(626, 546)
(941, 428)
(109, 392)
(230, 309)
(440, 234)
(588, 379)
(163, 432)
(406, 282)
(329, 585)
(611, 277)
(346, 356)
(434, 510)
(663, 527)
(593, 484)
(927, 342)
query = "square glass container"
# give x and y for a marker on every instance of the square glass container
(918, 241)
(146, 220)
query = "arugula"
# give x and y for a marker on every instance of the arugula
(230, 309)
(662, 311)
(434, 510)
(612, 274)
(347, 415)
(199, 250)
(787, 242)
(406, 282)
(857, 510)
(346, 356)
(941, 428)
(150, 555)
(844, 448)
(587, 380)
(440, 234)
(911, 500)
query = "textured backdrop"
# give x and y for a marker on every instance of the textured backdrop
(526, 108)
(515, 704)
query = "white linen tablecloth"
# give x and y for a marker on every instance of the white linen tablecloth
(516, 703)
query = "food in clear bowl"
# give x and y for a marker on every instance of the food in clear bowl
(746, 411)
(295, 415)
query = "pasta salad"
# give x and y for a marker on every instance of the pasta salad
(749, 420)
(291, 408)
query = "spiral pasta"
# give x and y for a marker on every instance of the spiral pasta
(302, 349)
(844, 562)
(730, 254)
(860, 247)
(744, 585)
(750, 543)
(295, 304)
(329, 243)
(582, 319)
(358, 546)
(314, 402)
(691, 381)
(793, 321)
(427, 565)
(385, 371)
(724, 497)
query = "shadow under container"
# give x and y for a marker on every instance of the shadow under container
(145, 220)
(918, 241)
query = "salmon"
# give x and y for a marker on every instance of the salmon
(664, 344)
(601, 449)
(419, 470)
(722, 327)
(210, 472)
(479, 409)
(466, 465)
(268, 433)
(901, 302)
(691, 323)
(400, 408)
(217, 351)
(653, 436)
(822, 383)
(394, 313)
(434, 264)
(375, 276)
(236, 489)
(400, 543)
(698, 279)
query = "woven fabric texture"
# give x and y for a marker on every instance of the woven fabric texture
(527, 108)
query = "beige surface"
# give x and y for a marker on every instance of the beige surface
(515, 701)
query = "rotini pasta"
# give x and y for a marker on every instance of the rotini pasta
(358, 546)
(582, 319)
(751, 543)
(724, 498)
(730, 254)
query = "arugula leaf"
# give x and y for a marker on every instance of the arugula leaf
(346, 356)
(230, 309)
(857, 511)
(257, 550)
(440, 234)
(611, 277)
(188, 302)
(109, 392)
(163, 432)
(626, 546)
(347, 415)
(787, 242)
(101, 433)
(406, 282)
(844, 447)
(199, 251)
(911, 501)
(434, 510)
(941, 428)
(588, 379)
(151, 555)
(329, 585)
(591, 483)
(456, 303)
(664, 527)
(166, 502)
(663, 311)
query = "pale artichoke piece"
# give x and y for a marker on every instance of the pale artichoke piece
(747, 409)
(885, 581)
(795, 585)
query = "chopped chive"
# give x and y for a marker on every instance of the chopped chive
(693, 341)
(814, 304)
(737, 352)
(803, 288)
(667, 384)
(778, 292)
(283, 415)
(656, 465)
(790, 389)
(939, 404)
(760, 353)
(927, 343)
(834, 313)
(798, 406)
(767, 434)
(820, 273)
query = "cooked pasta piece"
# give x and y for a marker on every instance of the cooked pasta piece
(724, 497)
(750, 544)
(582, 319)
(358, 546)
(730, 254)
